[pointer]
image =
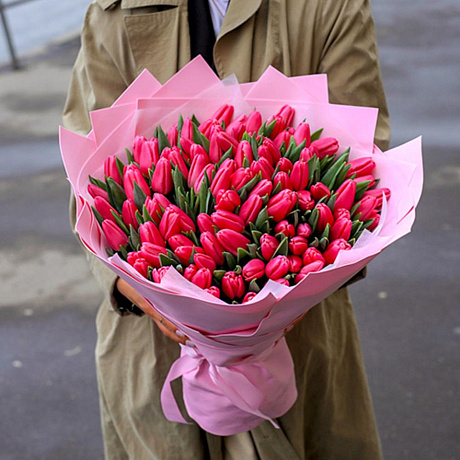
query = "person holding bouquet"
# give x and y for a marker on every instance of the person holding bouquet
(333, 415)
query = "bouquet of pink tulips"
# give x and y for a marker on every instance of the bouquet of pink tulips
(231, 204)
(235, 226)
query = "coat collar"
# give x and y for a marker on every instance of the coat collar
(239, 11)
(160, 42)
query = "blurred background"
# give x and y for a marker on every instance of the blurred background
(407, 308)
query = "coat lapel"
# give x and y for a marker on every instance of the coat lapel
(252, 38)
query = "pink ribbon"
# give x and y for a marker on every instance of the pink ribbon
(231, 381)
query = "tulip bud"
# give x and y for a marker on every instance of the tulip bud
(367, 206)
(253, 122)
(302, 133)
(368, 177)
(308, 152)
(263, 166)
(304, 230)
(190, 272)
(115, 236)
(173, 135)
(104, 208)
(295, 264)
(251, 209)
(197, 149)
(262, 188)
(277, 267)
(311, 255)
(241, 177)
(208, 170)
(214, 290)
(361, 167)
(170, 223)
(132, 174)
(299, 175)
(253, 270)
(142, 266)
(326, 147)
(374, 224)
(204, 261)
(148, 155)
(205, 223)
(280, 205)
(282, 281)
(224, 114)
(186, 145)
(319, 190)
(212, 247)
(176, 159)
(210, 127)
(345, 195)
(243, 151)
(111, 169)
(137, 147)
(132, 257)
(187, 129)
(151, 252)
(219, 144)
(161, 272)
(249, 296)
(341, 212)
(298, 245)
(223, 176)
(233, 285)
(237, 127)
(162, 180)
(227, 200)
(156, 206)
(269, 151)
(231, 240)
(95, 191)
(226, 219)
(285, 165)
(341, 228)
(149, 233)
(202, 278)
(183, 253)
(332, 251)
(306, 202)
(324, 217)
(377, 193)
(314, 266)
(128, 213)
(268, 245)
(284, 137)
(179, 240)
(284, 179)
(285, 228)
(286, 113)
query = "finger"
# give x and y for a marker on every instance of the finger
(170, 331)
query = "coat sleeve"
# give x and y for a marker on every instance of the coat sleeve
(95, 83)
(350, 59)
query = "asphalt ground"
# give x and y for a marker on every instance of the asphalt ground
(407, 307)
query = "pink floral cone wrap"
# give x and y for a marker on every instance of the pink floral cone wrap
(241, 372)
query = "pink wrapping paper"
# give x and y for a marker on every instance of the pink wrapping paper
(241, 372)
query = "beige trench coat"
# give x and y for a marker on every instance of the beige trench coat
(333, 416)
